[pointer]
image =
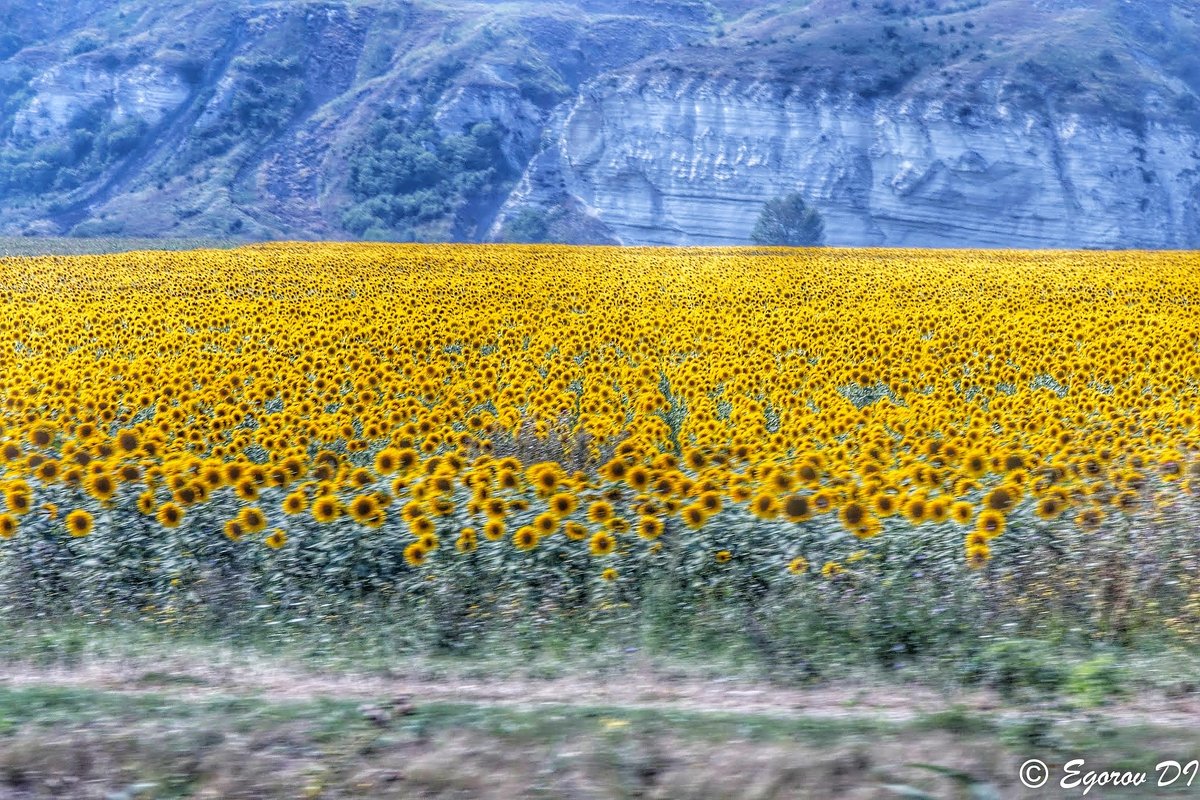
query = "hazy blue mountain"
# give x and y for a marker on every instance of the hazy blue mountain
(1032, 123)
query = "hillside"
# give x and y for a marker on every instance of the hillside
(1044, 123)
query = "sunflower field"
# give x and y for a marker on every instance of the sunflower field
(895, 445)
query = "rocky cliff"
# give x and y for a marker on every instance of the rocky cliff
(691, 162)
(1025, 123)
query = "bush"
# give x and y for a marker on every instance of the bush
(527, 227)
(790, 222)
(84, 44)
(407, 172)
(1095, 682)
(1016, 665)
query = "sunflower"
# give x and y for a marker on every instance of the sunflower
(8, 526)
(978, 556)
(885, 504)
(493, 530)
(1002, 498)
(406, 459)
(609, 575)
(649, 528)
(764, 506)
(796, 508)
(295, 503)
(360, 478)
(41, 436)
(990, 523)
(975, 464)
(561, 504)
(1090, 518)
(938, 510)
(962, 512)
(363, 508)
(546, 523)
(233, 530)
(187, 495)
(101, 486)
(79, 523)
(252, 520)
(615, 470)
(693, 516)
(638, 478)
(1125, 501)
(710, 501)
(246, 490)
(831, 569)
(723, 556)
(276, 539)
(466, 541)
(525, 538)
(47, 471)
(798, 565)
(233, 472)
(387, 461)
(600, 511)
(545, 481)
(915, 509)
(415, 555)
(853, 514)
(602, 544)
(1170, 468)
(170, 515)
(18, 501)
(128, 441)
(1050, 507)
(495, 508)
(325, 509)
(975, 539)
(869, 528)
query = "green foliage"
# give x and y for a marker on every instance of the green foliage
(1033, 733)
(14, 92)
(9, 43)
(85, 44)
(528, 226)
(1019, 665)
(92, 144)
(376, 58)
(1095, 682)
(408, 174)
(790, 222)
(267, 94)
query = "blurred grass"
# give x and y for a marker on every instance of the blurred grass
(131, 710)
(71, 246)
(77, 742)
(1021, 671)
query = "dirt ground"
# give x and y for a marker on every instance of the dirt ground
(633, 689)
(184, 726)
